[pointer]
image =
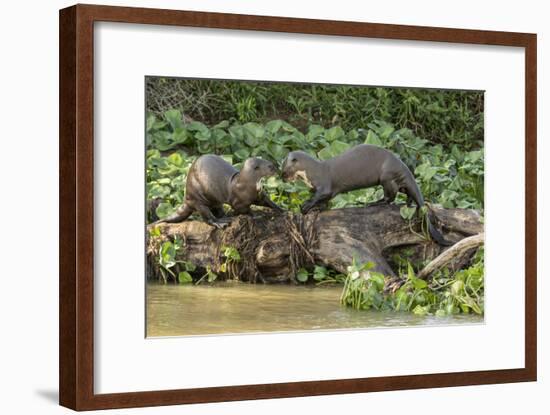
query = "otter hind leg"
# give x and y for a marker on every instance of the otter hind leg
(209, 217)
(410, 199)
(221, 215)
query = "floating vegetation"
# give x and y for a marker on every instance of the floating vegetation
(445, 294)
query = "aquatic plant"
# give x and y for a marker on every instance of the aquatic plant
(446, 294)
(321, 275)
(179, 270)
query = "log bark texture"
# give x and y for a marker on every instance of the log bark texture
(274, 246)
(456, 253)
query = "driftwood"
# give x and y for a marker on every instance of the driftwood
(457, 253)
(274, 246)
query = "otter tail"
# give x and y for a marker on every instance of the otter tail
(413, 191)
(183, 212)
(435, 234)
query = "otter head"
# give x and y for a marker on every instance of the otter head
(296, 166)
(256, 168)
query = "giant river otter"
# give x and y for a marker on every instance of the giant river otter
(359, 167)
(211, 182)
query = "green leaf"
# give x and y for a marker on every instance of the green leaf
(367, 265)
(273, 126)
(319, 273)
(251, 141)
(352, 135)
(429, 173)
(184, 277)
(242, 154)
(277, 151)
(419, 284)
(231, 253)
(203, 136)
(314, 132)
(196, 126)
(212, 276)
(167, 255)
(180, 136)
(421, 310)
(386, 130)
(334, 133)
(410, 272)
(151, 119)
(288, 128)
(474, 156)
(222, 125)
(155, 231)
(158, 191)
(426, 171)
(164, 209)
(227, 157)
(440, 313)
(325, 153)
(407, 212)
(174, 119)
(335, 148)
(237, 132)
(451, 309)
(457, 287)
(220, 137)
(254, 129)
(377, 279)
(176, 159)
(339, 147)
(162, 140)
(465, 308)
(373, 139)
(302, 275)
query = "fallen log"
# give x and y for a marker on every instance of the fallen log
(273, 247)
(455, 254)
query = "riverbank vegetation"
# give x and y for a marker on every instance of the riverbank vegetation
(437, 134)
(446, 294)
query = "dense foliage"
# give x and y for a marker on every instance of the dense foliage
(445, 294)
(441, 116)
(437, 134)
(446, 174)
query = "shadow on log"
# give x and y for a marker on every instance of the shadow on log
(274, 246)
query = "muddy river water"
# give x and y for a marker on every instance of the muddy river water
(182, 310)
